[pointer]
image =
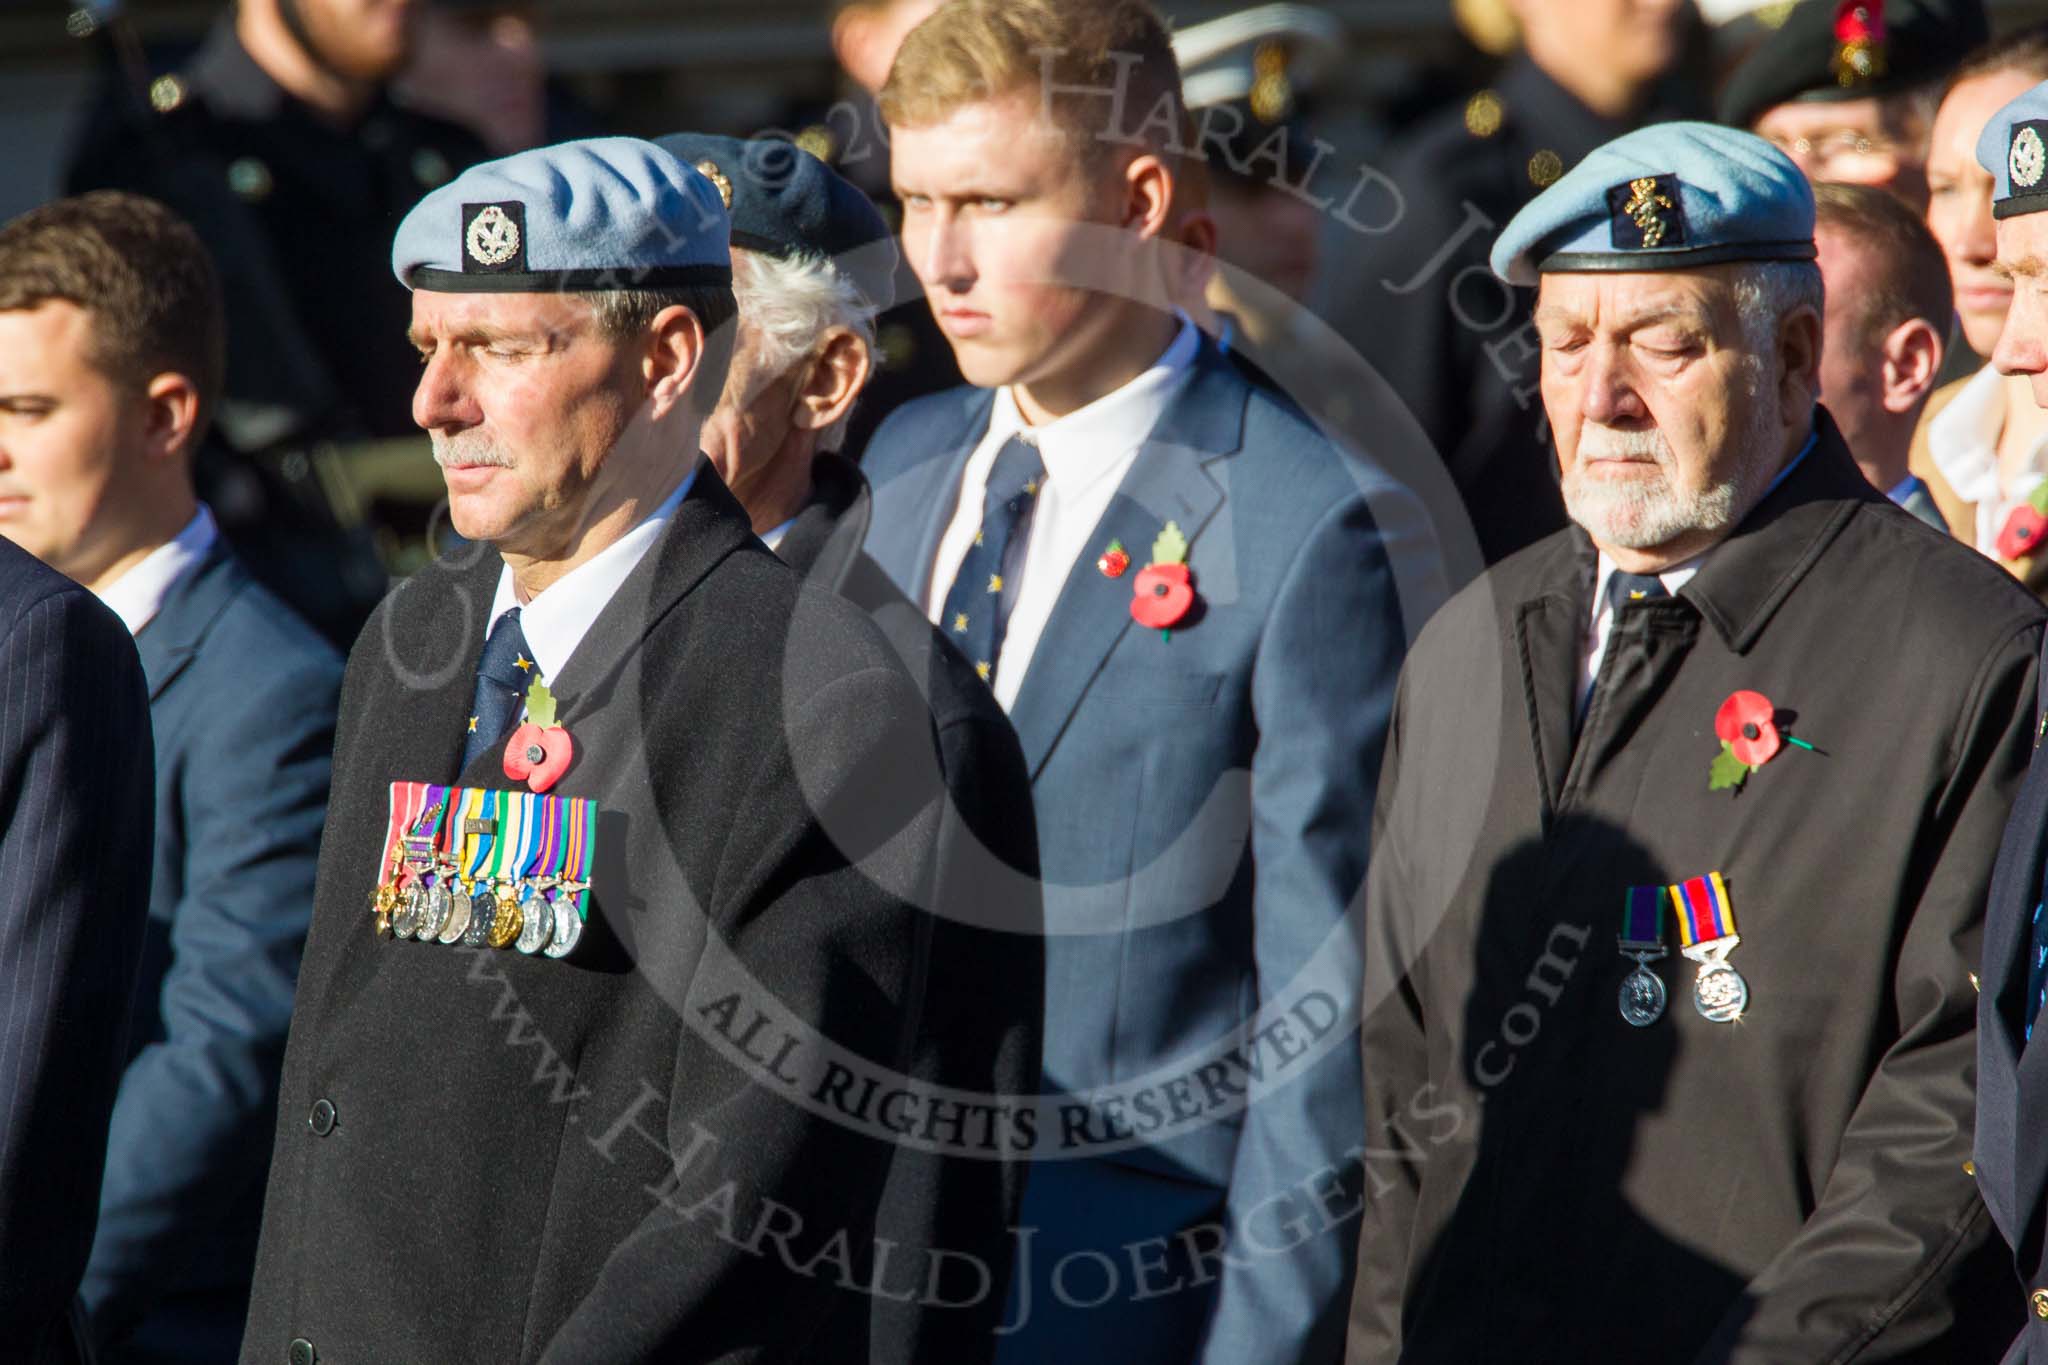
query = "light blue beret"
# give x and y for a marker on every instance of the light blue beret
(2012, 148)
(603, 213)
(1672, 196)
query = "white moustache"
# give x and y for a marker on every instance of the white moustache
(1606, 443)
(470, 448)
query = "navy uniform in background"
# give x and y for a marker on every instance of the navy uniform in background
(75, 823)
(296, 209)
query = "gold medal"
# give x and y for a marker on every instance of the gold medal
(507, 922)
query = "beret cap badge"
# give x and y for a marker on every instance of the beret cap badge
(1859, 43)
(2029, 157)
(492, 237)
(1646, 213)
(710, 171)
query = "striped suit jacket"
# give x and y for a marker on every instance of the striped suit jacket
(75, 830)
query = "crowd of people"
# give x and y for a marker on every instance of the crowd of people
(960, 776)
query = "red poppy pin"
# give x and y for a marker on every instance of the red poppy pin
(2025, 528)
(539, 751)
(1163, 590)
(1114, 560)
(1747, 724)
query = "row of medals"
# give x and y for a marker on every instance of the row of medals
(1719, 993)
(534, 914)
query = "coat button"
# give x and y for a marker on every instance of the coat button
(1970, 1169)
(321, 1121)
(302, 1352)
(2039, 1299)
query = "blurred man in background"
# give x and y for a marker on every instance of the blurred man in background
(1982, 448)
(812, 264)
(1420, 303)
(280, 144)
(1849, 91)
(1888, 309)
(113, 322)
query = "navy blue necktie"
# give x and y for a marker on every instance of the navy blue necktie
(978, 607)
(501, 685)
(1632, 587)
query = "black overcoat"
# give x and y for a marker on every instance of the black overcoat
(642, 1152)
(1546, 1182)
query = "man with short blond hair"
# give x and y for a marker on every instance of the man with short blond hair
(1193, 608)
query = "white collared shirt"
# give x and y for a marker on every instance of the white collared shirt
(1963, 441)
(138, 595)
(1086, 455)
(772, 537)
(1673, 578)
(557, 619)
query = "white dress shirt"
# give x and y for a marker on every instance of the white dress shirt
(138, 595)
(1086, 455)
(558, 618)
(1963, 440)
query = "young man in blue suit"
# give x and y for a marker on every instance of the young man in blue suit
(1193, 608)
(112, 325)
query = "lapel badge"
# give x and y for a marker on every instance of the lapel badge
(494, 238)
(1114, 560)
(1646, 214)
(710, 171)
(2024, 527)
(539, 751)
(1164, 590)
(1747, 725)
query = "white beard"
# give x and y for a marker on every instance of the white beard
(1652, 507)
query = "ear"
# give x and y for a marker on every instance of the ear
(1191, 255)
(1799, 339)
(832, 381)
(1912, 358)
(673, 361)
(171, 422)
(1148, 196)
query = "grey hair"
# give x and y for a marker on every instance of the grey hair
(787, 305)
(1768, 292)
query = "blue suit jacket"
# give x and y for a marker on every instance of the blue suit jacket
(2012, 1073)
(1204, 807)
(242, 700)
(74, 872)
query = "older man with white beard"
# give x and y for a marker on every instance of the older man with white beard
(1683, 842)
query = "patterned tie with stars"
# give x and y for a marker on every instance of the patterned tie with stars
(978, 607)
(503, 671)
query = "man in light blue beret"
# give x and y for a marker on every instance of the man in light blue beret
(2012, 1085)
(575, 986)
(1684, 842)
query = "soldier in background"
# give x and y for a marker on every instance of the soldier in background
(1421, 305)
(280, 143)
(1849, 91)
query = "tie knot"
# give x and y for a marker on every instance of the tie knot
(505, 660)
(1017, 472)
(1623, 588)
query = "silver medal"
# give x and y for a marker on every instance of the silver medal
(433, 913)
(1642, 995)
(405, 921)
(482, 906)
(458, 917)
(1720, 993)
(568, 927)
(536, 925)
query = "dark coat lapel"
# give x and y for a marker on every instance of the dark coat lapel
(2006, 1074)
(189, 610)
(1169, 481)
(1550, 626)
(824, 542)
